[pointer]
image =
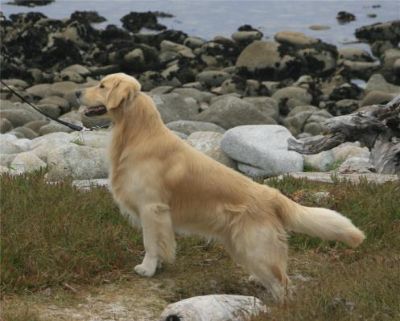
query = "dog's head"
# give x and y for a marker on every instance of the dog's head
(110, 95)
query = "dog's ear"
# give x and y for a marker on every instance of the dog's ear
(121, 92)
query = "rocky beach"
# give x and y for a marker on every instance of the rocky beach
(238, 98)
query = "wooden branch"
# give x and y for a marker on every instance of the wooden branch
(365, 126)
(377, 127)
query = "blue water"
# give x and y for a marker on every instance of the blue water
(208, 18)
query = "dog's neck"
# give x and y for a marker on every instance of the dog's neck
(135, 122)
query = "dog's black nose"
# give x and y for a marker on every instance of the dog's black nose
(78, 93)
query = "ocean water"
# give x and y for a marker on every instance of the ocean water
(209, 18)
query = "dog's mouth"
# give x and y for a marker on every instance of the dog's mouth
(95, 110)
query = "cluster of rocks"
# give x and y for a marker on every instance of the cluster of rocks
(255, 150)
(237, 99)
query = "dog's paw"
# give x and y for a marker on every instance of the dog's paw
(142, 270)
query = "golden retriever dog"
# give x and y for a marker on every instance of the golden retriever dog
(167, 186)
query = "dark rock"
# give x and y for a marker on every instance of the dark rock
(389, 31)
(342, 107)
(134, 21)
(87, 16)
(345, 17)
(32, 3)
(346, 91)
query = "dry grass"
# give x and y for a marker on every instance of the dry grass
(54, 236)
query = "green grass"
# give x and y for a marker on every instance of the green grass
(52, 235)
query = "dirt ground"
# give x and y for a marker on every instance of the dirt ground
(133, 300)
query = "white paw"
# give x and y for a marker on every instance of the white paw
(142, 270)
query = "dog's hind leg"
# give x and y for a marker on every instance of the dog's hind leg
(158, 238)
(262, 251)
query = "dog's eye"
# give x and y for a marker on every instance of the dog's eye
(101, 86)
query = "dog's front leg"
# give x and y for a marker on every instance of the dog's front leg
(158, 238)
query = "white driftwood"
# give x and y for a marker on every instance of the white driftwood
(214, 308)
(376, 127)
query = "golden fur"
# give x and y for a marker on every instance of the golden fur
(165, 185)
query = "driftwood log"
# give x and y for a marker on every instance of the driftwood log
(376, 127)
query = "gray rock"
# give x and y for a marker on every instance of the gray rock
(246, 37)
(377, 82)
(390, 57)
(79, 69)
(43, 145)
(73, 117)
(8, 147)
(345, 106)
(6, 159)
(209, 143)
(8, 138)
(212, 78)
(94, 121)
(272, 86)
(376, 97)
(349, 150)
(63, 88)
(329, 178)
(356, 165)
(263, 148)
(265, 104)
(290, 97)
(51, 110)
(200, 96)
(36, 124)
(26, 162)
(70, 76)
(189, 126)
(136, 57)
(175, 107)
(62, 103)
(41, 90)
(354, 54)
(26, 132)
(262, 55)
(359, 69)
(321, 162)
(194, 42)
(88, 184)
(95, 139)
(308, 119)
(24, 143)
(78, 162)
(296, 39)
(5, 125)
(229, 111)
(17, 83)
(160, 90)
(53, 127)
(184, 51)
(319, 27)
(21, 114)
